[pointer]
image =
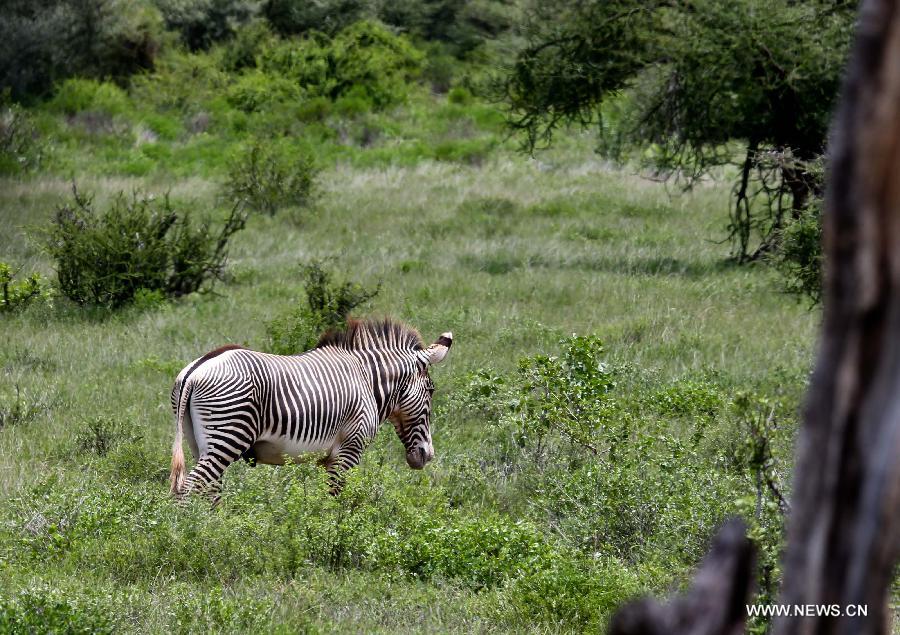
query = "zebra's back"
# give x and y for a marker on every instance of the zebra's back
(281, 405)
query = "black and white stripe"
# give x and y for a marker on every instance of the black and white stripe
(235, 402)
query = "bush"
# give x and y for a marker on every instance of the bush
(249, 41)
(265, 179)
(80, 95)
(45, 610)
(100, 435)
(799, 255)
(16, 295)
(138, 243)
(20, 150)
(365, 59)
(328, 304)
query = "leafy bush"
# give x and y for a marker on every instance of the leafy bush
(254, 91)
(15, 295)
(799, 255)
(266, 179)
(45, 610)
(249, 41)
(21, 407)
(139, 242)
(328, 304)
(100, 435)
(364, 58)
(20, 149)
(79, 95)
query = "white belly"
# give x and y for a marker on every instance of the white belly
(274, 450)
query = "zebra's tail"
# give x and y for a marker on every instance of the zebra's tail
(177, 476)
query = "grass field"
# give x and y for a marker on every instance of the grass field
(513, 255)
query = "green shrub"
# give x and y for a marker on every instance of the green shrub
(459, 95)
(100, 435)
(571, 591)
(799, 255)
(266, 179)
(81, 95)
(139, 242)
(365, 59)
(16, 295)
(46, 610)
(21, 407)
(20, 148)
(255, 91)
(328, 304)
(248, 42)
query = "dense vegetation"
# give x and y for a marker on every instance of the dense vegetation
(616, 387)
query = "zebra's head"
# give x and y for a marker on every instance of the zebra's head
(412, 417)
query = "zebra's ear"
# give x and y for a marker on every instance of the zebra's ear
(438, 351)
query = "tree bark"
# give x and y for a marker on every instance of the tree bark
(843, 536)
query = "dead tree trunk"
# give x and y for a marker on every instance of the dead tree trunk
(843, 535)
(844, 528)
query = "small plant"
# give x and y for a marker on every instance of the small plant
(16, 295)
(265, 180)
(327, 306)
(139, 247)
(43, 610)
(20, 150)
(100, 435)
(799, 256)
(20, 408)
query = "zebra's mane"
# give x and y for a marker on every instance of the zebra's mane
(367, 334)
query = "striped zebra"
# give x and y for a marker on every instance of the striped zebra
(234, 402)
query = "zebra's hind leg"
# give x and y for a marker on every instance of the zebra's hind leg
(205, 479)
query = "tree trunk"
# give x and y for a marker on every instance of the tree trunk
(843, 536)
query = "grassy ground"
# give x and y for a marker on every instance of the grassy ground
(509, 253)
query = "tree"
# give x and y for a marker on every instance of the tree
(690, 78)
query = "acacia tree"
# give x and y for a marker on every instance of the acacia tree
(691, 78)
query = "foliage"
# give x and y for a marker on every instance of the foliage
(702, 74)
(328, 304)
(22, 407)
(45, 610)
(16, 295)
(293, 17)
(100, 435)
(78, 95)
(45, 41)
(138, 243)
(266, 180)
(20, 148)
(799, 255)
(364, 59)
(200, 23)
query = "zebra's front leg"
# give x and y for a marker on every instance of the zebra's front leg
(342, 457)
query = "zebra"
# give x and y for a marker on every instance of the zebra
(237, 403)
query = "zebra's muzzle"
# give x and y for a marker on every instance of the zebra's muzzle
(418, 457)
